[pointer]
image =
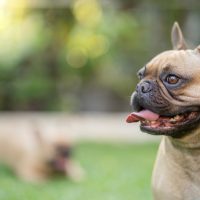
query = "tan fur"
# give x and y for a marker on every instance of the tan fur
(176, 173)
(25, 148)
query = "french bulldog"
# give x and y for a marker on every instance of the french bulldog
(36, 154)
(167, 102)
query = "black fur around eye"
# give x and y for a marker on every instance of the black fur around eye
(172, 79)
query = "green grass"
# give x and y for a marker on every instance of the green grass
(114, 172)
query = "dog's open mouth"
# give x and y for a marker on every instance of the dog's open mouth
(158, 124)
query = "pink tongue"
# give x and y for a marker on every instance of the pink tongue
(144, 114)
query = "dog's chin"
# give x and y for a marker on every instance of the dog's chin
(175, 126)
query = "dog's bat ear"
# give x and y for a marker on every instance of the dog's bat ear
(177, 38)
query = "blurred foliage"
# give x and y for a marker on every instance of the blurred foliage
(83, 55)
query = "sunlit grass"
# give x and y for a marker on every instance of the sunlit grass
(114, 172)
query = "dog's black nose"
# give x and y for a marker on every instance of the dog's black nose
(64, 151)
(144, 87)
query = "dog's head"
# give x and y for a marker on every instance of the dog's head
(167, 98)
(61, 154)
(56, 154)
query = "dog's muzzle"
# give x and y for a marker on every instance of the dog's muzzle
(144, 87)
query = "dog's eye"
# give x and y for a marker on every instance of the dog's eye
(172, 79)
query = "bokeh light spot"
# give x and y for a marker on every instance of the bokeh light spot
(3, 3)
(76, 57)
(97, 45)
(94, 44)
(87, 12)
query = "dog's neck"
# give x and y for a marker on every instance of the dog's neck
(190, 140)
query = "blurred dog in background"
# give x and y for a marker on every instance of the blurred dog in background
(36, 155)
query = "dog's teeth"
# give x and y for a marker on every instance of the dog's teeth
(148, 122)
(177, 117)
(154, 125)
(168, 125)
(172, 120)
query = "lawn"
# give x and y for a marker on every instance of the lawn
(114, 172)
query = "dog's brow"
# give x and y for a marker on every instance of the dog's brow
(168, 67)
